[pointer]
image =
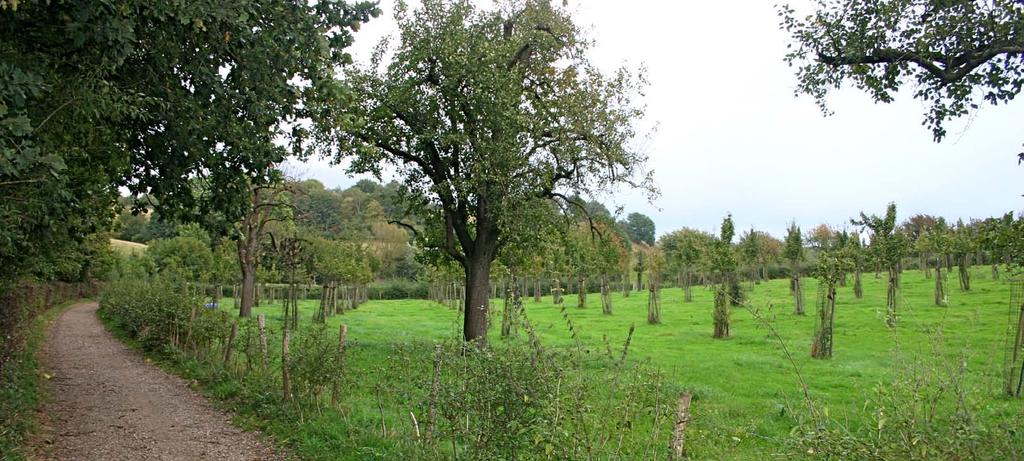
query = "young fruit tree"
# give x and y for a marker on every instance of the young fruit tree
(857, 256)
(721, 261)
(794, 252)
(611, 256)
(832, 266)
(486, 116)
(683, 249)
(750, 249)
(655, 266)
(937, 242)
(888, 248)
(963, 247)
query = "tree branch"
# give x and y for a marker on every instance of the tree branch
(954, 69)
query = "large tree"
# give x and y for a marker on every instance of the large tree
(639, 227)
(953, 53)
(486, 115)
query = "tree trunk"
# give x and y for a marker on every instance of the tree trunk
(798, 296)
(248, 286)
(606, 296)
(940, 288)
(582, 294)
(478, 290)
(536, 289)
(821, 348)
(965, 274)
(556, 291)
(687, 287)
(653, 300)
(625, 285)
(721, 316)
(510, 313)
(892, 294)
(858, 286)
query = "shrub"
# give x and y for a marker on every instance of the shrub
(399, 289)
(926, 412)
(156, 313)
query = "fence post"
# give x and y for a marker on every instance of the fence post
(342, 338)
(679, 433)
(261, 321)
(285, 379)
(230, 343)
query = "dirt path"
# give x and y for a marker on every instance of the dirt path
(109, 404)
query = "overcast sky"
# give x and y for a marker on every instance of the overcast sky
(732, 138)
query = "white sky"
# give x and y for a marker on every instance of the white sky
(732, 137)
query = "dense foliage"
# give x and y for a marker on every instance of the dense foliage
(954, 54)
(153, 96)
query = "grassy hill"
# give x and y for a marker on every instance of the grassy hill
(127, 248)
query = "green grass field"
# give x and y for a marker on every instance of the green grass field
(743, 386)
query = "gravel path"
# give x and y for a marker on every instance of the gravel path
(109, 404)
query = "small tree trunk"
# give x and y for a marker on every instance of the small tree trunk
(892, 294)
(965, 273)
(511, 310)
(940, 288)
(687, 287)
(798, 295)
(556, 291)
(230, 343)
(653, 300)
(582, 293)
(606, 296)
(536, 289)
(858, 285)
(625, 285)
(339, 360)
(821, 348)
(721, 315)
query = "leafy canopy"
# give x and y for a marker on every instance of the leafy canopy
(954, 54)
(485, 115)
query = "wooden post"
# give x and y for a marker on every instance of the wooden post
(285, 382)
(261, 321)
(231, 341)
(435, 388)
(342, 339)
(679, 433)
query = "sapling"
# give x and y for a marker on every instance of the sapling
(794, 252)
